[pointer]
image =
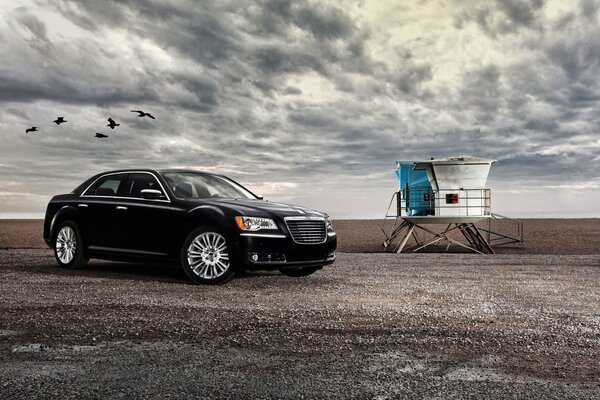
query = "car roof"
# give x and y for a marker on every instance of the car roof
(86, 184)
(126, 170)
(158, 171)
(184, 170)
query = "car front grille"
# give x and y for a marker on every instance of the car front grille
(307, 231)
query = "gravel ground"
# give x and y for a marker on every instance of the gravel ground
(427, 326)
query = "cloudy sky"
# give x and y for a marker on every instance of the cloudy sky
(305, 102)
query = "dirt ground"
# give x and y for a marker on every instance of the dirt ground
(542, 236)
(380, 326)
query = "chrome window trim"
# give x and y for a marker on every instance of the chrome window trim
(122, 197)
(306, 218)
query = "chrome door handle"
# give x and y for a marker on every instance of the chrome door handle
(121, 208)
(81, 205)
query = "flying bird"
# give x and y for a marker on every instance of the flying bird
(59, 120)
(112, 123)
(32, 129)
(101, 135)
(143, 114)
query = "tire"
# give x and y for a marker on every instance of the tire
(68, 246)
(299, 272)
(206, 257)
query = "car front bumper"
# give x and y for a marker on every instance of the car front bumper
(263, 251)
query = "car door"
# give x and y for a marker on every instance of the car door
(96, 206)
(141, 225)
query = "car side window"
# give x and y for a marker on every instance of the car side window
(137, 182)
(106, 186)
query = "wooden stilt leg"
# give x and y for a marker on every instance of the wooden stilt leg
(408, 235)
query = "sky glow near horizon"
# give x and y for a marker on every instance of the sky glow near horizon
(305, 102)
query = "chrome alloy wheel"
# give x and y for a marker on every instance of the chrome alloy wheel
(66, 244)
(207, 255)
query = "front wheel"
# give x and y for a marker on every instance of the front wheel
(68, 246)
(205, 257)
(299, 272)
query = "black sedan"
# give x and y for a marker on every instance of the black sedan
(210, 224)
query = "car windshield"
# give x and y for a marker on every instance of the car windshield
(192, 185)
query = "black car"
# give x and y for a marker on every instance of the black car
(210, 224)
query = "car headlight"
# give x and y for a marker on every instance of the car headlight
(329, 224)
(254, 223)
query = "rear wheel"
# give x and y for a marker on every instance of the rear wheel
(205, 257)
(299, 272)
(68, 246)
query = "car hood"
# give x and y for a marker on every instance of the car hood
(261, 208)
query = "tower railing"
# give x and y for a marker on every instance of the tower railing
(443, 202)
(503, 231)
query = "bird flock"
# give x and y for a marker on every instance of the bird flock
(111, 123)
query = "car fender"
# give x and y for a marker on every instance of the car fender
(67, 212)
(211, 215)
(207, 215)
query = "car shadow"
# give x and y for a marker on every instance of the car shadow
(167, 273)
(138, 271)
(134, 271)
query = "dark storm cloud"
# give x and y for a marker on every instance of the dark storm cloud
(329, 23)
(520, 13)
(291, 90)
(409, 78)
(272, 59)
(540, 124)
(295, 92)
(36, 36)
(277, 17)
(502, 16)
(580, 62)
(481, 92)
(527, 167)
(66, 90)
(589, 9)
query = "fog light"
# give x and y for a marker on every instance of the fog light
(331, 255)
(266, 257)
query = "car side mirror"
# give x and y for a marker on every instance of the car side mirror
(151, 194)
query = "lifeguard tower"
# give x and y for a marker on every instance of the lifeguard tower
(440, 202)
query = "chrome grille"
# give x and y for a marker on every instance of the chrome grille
(306, 230)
